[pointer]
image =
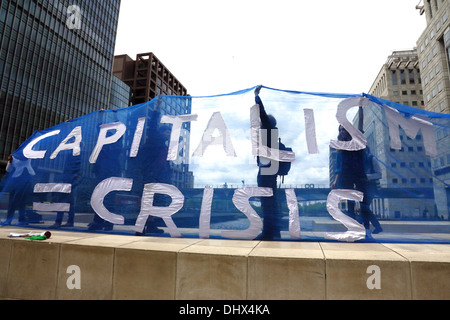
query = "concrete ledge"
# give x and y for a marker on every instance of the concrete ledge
(128, 267)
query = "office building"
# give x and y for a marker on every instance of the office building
(55, 64)
(433, 48)
(120, 94)
(147, 77)
(399, 80)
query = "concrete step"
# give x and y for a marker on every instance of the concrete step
(84, 266)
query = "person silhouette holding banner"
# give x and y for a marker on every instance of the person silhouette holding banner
(267, 172)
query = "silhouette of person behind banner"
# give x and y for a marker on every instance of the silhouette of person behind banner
(351, 173)
(72, 167)
(266, 177)
(106, 166)
(19, 187)
(373, 174)
(155, 166)
(349, 170)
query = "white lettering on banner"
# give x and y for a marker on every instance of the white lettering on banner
(205, 213)
(32, 154)
(177, 122)
(51, 188)
(102, 140)
(411, 127)
(241, 201)
(294, 219)
(269, 167)
(111, 133)
(216, 123)
(137, 138)
(358, 140)
(356, 231)
(258, 148)
(310, 128)
(149, 209)
(100, 192)
(74, 146)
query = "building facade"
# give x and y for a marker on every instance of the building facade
(434, 57)
(147, 77)
(120, 94)
(55, 64)
(399, 80)
(433, 48)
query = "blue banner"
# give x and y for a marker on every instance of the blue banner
(260, 163)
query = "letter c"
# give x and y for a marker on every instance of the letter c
(32, 154)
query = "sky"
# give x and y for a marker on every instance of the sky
(216, 47)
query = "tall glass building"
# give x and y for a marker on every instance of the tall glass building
(56, 61)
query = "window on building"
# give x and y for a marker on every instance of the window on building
(448, 56)
(447, 44)
(394, 76)
(402, 77)
(411, 76)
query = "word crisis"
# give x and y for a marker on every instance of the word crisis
(241, 200)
